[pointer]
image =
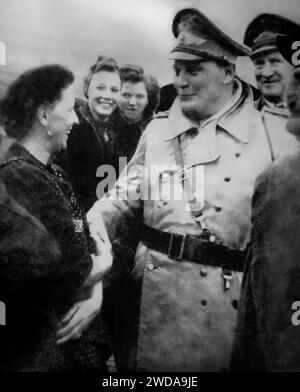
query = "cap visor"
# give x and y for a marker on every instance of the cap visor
(259, 51)
(185, 56)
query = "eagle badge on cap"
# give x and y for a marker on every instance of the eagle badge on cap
(188, 38)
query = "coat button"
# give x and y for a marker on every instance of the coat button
(203, 272)
(237, 154)
(204, 302)
(212, 238)
(227, 179)
(235, 304)
(150, 267)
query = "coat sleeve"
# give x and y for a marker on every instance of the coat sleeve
(28, 253)
(33, 191)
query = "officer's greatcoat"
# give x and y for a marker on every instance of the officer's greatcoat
(176, 315)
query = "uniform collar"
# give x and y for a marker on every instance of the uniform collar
(235, 118)
(280, 109)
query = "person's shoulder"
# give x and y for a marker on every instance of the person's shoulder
(19, 175)
(283, 171)
(161, 115)
(159, 120)
(14, 166)
(284, 142)
(157, 127)
(288, 164)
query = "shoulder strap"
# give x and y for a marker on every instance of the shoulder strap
(184, 178)
(268, 136)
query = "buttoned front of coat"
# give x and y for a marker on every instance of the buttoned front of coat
(186, 318)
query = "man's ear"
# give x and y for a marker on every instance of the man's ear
(43, 115)
(229, 71)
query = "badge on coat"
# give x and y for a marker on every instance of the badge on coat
(78, 225)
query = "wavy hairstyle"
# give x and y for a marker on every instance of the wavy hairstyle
(134, 74)
(31, 90)
(103, 63)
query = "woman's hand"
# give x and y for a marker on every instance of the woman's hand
(97, 227)
(102, 262)
(80, 316)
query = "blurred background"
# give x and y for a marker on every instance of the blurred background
(75, 32)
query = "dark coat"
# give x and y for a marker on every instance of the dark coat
(52, 282)
(90, 145)
(266, 338)
(28, 270)
(127, 135)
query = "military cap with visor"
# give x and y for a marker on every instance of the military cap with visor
(200, 39)
(261, 34)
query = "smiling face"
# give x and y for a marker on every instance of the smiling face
(61, 118)
(103, 93)
(199, 86)
(133, 100)
(272, 74)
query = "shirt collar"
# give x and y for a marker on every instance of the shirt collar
(235, 118)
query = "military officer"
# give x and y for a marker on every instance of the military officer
(188, 188)
(272, 71)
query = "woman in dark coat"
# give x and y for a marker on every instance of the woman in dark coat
(66, 296)
(92, 140)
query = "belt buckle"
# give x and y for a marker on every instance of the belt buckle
(171, 252)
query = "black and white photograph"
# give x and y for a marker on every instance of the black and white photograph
(149, 188)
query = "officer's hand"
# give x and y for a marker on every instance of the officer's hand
(102, 262)
(97, 227)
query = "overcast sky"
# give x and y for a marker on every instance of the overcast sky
(75, 32)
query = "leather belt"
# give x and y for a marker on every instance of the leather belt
(197, 249)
